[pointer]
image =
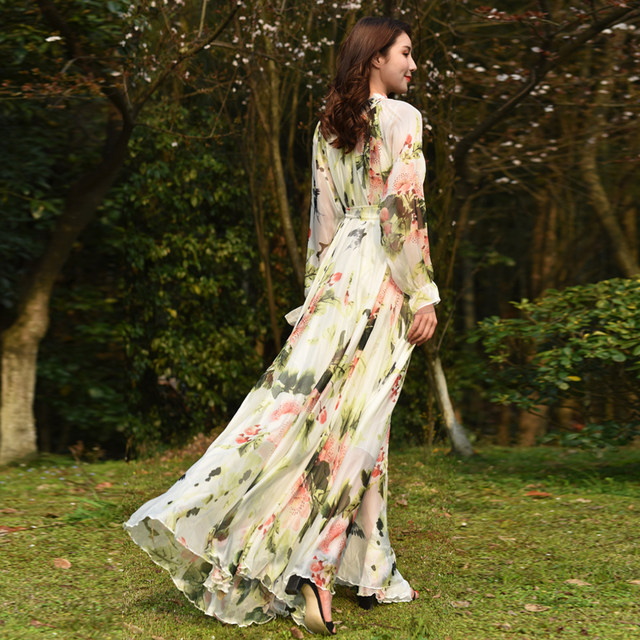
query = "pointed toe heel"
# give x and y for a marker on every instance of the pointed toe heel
(313, 616)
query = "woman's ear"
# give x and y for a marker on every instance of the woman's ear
(377, 60)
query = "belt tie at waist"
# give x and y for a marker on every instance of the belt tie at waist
(368, 212)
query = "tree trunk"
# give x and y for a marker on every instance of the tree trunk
(273, 133)
(622, 250)
(20, 342)
(503, 434)
(459, 442)
(19, 361)
(595, 124)
(532, 424)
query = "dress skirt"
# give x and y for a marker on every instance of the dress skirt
(297, 482)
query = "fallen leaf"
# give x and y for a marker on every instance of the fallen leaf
(61, 563)
(37, 623)
(489, 595)
(5, 529)
(504, 539)
(537, 494)
(103, 485)
(582, 500)
(8, 510)
(460, 603)
(580, 583)
(133, 628)
(157, 638)
(633, 581)
(296, 633)
(536, 607)
(503, 625)
(402, 501)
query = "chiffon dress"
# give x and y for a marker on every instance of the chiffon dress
(296, 485)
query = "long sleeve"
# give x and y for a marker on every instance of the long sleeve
(402, 215)
(326, 210)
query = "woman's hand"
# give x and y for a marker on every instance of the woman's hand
(424, 325)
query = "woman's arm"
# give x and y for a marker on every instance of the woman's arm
(402, 219)
(326, 210)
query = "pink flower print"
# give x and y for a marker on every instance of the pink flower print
(406, 182)
(247, 434)
(408, 141)
(252, 431)
(336, 530)
(276, 435)
(377, 470)
(374, 155)
(290, 406)
(299, 508)
(182, 541)
(426, 252)
(386, 228)
(317, 568)
(396, 388)
(300, 327)
(342, 452)
(334, 278)
(264, 527)
(323, 416)
(314, 301)
(384, 214)
(354, 362)
(329, 451)
(346, 298)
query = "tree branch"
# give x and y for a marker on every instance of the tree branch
(185, 54)
(546, 63)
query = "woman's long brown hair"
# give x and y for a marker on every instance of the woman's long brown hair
(347, 115)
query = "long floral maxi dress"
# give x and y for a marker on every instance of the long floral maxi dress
(297, 482)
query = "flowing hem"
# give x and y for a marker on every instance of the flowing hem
(280, 604)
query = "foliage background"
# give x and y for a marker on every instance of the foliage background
(171, 303)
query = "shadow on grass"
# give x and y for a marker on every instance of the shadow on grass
(612, 472)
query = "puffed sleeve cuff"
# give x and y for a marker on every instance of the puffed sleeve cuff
(429, 294)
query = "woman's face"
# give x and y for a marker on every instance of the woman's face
(394, 71)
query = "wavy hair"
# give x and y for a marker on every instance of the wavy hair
(347, 114)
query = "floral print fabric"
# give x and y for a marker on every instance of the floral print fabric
(297, 482)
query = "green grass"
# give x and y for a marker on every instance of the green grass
(479, 550)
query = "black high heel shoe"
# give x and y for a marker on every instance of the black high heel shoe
(313, 616)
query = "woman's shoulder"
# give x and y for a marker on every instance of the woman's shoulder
(392, 110)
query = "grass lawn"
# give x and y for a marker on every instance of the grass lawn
(512, 544)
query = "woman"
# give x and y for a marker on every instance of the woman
(291, 498)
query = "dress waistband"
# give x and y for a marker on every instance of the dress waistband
(368, 212)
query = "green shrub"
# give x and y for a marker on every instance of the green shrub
(578, 348)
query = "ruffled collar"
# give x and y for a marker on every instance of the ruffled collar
(377, 96)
